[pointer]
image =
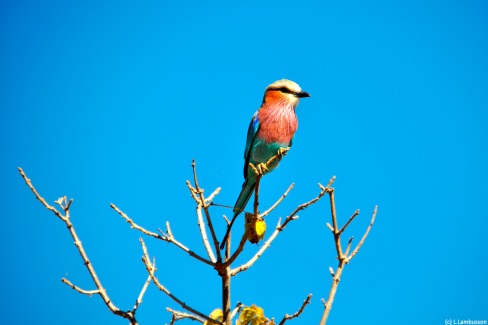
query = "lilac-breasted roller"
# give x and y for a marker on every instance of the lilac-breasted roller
(272, 127)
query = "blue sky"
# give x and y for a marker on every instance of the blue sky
(109, 102)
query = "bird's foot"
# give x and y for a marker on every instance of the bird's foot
(261, 168)
(283, 151)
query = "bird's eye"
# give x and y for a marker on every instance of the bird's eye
(285, 90)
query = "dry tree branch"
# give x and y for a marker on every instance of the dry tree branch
(364, 236)
(40, 198)
(343, 257)
(209, 198)
(203, 232)
(282, 197)
(205, 203)
(76, 288)
(348, 222)
(136, 226)
(236, 309)
(223, 268)
(167, 237)
(151, 269)
(257, 187)
(236, 253)
(141, 294)
(178, 315)
(65, 205)
(280, 227)
(304, 304)
(260, 252)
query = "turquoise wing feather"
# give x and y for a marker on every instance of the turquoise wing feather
(251, 137)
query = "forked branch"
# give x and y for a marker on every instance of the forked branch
(100, 290)
(151, 269)
(165, 236)
(178, 315)
(280, 227)
(204, 203)
(342, 256)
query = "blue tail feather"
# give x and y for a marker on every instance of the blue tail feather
(244, 196)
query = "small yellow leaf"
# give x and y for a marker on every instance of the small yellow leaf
(260, 228)
(217, 314)
(252, 315)
(255, 228)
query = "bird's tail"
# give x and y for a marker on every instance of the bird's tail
(244, 196)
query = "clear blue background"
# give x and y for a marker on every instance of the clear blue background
(109, 102)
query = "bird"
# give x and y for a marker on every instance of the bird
(271, 130)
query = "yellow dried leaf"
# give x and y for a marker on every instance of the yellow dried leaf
(255, 228)
(260, 228)
(252, 315)
(217, 314)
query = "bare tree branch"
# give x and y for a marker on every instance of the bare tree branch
(223, 267)
(40, 198)
(167, 237)
(348, 222)
(364, 236)
(136, 226)
(141, 294)
(205, 203)
(151, 269)
(343, 257)
(280, 228)
(82, 291)
(288, 317)
(65, 205)
(282, 197)
(203, 232)
(236, 253)
(178, 315)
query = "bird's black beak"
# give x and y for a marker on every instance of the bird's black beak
(303, 94)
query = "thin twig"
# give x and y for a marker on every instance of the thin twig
(136, 226)
(337, 237)
(197, 194)
(178, 315)
(355, 251)
(348, 222)
(39, 197)
(85, 292)
(256, 193)
(265, 213)
(167, 237)
(209, 198)
(260, 252)
(141, 294)
(151, 269)
(240, 248)
(203, 232)
(348, 247)
(288, 317)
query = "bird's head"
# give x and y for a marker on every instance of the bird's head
(284, 91)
